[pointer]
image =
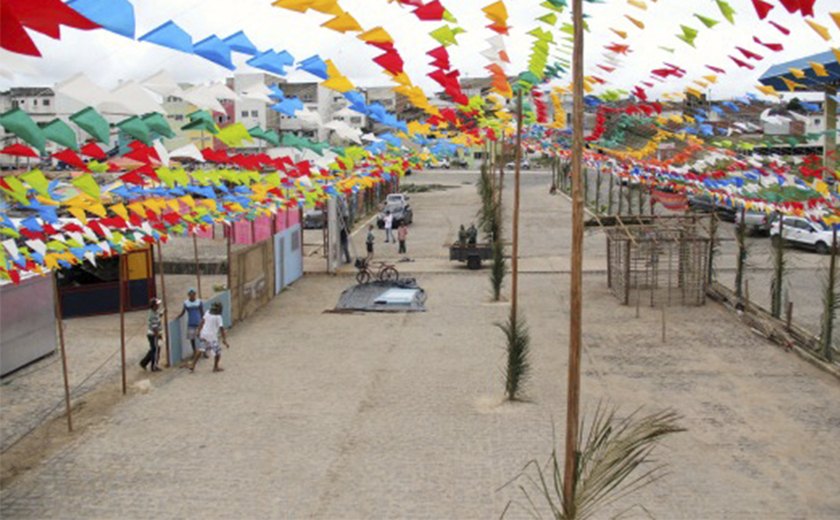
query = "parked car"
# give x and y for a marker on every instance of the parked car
(756, 222)
(526, 165)
(397, 204)
(707, 204)
(804, 233)
(459, 163)
(314, 219)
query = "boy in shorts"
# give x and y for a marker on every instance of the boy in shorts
(194, 310)
(210, 330)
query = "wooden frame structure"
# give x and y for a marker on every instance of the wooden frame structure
(662, 263)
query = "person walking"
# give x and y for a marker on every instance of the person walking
(194, 309)
(369, 243)
(345, 245)
(210, 331)
(402, 234)
(153, 328)
(389, 227)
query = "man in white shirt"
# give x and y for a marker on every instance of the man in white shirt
(389, 227)
(210, 330)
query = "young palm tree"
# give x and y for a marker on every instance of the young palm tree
(518, 356)
(614, 460)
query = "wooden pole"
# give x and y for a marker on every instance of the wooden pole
(60, 323)
(515, 258)
(165, 306)
(229, 278)
(576, 296)
(788, 316)
(122, 321)
(828, 320)
(197, 265)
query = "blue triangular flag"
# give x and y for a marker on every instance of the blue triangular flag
(114, 15)
(315, 66)
(170, 35)
(241, 43)
(214, 49)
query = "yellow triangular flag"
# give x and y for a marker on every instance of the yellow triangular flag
(343, 23)
(819, 29)
(637, 23)
(819, 69)
(797, 73)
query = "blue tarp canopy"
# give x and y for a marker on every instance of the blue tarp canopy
(813, 82)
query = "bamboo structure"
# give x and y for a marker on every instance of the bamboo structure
(645, 257)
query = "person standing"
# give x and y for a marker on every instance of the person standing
(402, 234)
(194, 309)
(389, 227)
(345, 246)
(210, 331)
(369, 243)
(153, 328)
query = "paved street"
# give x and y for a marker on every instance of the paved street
(350, 416)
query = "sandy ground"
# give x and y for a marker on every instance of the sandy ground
(381, 416)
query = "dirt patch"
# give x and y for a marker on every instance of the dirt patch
(90, 411)
(425, 188)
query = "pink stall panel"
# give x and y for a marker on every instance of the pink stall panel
(243, 233)
(294, 216)
(262, 229)
(206, 232)
(281, 221)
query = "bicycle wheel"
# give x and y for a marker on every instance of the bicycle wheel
(362, 277)
(389, 274)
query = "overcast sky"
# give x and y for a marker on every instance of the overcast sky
(108, 58)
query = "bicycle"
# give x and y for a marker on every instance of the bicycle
(385, 273)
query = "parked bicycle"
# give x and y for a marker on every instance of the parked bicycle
(384, 272)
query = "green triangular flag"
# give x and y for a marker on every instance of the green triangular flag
(708, 22)
(59, 132)
(94, 124)
(726, 10)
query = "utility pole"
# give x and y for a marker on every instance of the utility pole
(515, 257)
(576, 290)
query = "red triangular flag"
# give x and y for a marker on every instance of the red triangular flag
(762, 8)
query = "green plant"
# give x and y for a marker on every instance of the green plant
(498, 269)
(614, 460)
(518, 356)
(488, 213)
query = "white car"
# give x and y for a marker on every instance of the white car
(803, 232)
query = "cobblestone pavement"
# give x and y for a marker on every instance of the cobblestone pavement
(401, 416)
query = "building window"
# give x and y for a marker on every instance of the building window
(387, 102)
(356, 120)
(45, 102)
(244, 113)
(35, 102)
(817, 121)
(254, 113)
(221, 119)
(179, 117)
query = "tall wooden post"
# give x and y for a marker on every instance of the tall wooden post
(197, 265)
(828, 320)
(517, 173)
(165, 306)
(576, 290)
(60, 323)
(122, 321)
(229, 277)
(830, 148)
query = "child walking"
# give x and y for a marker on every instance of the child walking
(210, 329)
